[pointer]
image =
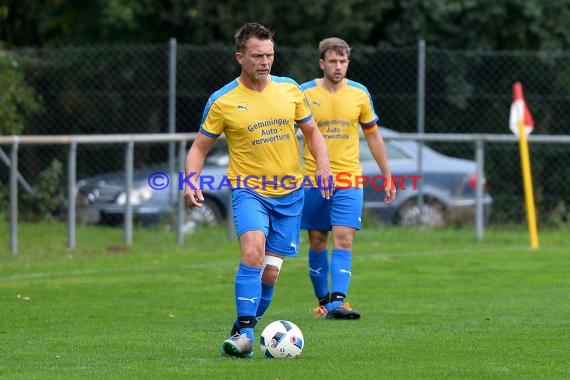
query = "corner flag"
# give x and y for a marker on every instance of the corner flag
(520, 112)
(521, 123)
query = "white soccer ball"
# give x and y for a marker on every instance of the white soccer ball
(281, 340)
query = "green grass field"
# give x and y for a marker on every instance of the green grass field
(435, 303)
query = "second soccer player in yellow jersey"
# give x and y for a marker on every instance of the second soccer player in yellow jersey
(341, 108)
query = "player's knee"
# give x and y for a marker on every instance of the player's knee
(252, 258)
(344, 242)
(318, 240)
(343, 237)
(318, 245)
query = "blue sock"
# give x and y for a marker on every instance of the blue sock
(266, 297)
(235, 329)
(319, 272)
(247, 293)
(341, 263)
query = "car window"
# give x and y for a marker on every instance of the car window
(393, 151)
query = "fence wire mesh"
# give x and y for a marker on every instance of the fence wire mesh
(125, 89)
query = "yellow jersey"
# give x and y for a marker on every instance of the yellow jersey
(339, 117)
(260, 131)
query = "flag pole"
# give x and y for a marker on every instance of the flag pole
(521, 124)
(527, 182)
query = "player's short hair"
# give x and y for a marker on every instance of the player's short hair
(249, 30)
(338, 45)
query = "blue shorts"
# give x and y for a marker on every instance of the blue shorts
(343, 209)
(278, 218)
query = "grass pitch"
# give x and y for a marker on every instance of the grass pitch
(435, 304)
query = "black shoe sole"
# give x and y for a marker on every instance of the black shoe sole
(348, 316)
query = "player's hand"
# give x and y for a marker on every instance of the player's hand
(390, 195)
(325, 181)
(390, 191)
(193, 195)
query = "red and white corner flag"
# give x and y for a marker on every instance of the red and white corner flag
(521, 123)
(520, 112)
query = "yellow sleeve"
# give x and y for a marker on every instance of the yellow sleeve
(302, 110)
(368, 117)
(213, 120)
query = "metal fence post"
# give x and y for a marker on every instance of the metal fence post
(128, 219)
(421, 119)
(71, 196)
(180, 203)
(479, 217)
(171, 107)
(14, 197)
(25, 185)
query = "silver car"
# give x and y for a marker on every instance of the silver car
(448, 186)
(101, 199)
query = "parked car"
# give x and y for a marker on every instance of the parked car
(448, 190)
(448, 186)
(101, 199)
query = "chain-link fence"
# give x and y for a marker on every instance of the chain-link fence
(126, 89)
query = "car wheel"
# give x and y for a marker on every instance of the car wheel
(209, 214)
(432, 214)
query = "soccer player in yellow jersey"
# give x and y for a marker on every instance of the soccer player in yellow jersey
(257, 112)
(341, 107)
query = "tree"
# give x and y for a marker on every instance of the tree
(450, 24)
(17, 99)
(482, 24)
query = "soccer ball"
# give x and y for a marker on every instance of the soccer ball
(281, 340)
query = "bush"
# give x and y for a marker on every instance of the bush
(48, 194)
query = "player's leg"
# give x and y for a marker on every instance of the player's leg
(346, 211)
(271, 267)
(247, 288)
(319, 270)
(315, 219)
(341, 273)
(282, 241)
(251, 223)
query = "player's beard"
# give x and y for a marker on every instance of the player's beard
(261, 77)
(335, 79)
(262, 73)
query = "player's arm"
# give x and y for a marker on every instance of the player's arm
(318, 148)
(194, 164)
(378, 149)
